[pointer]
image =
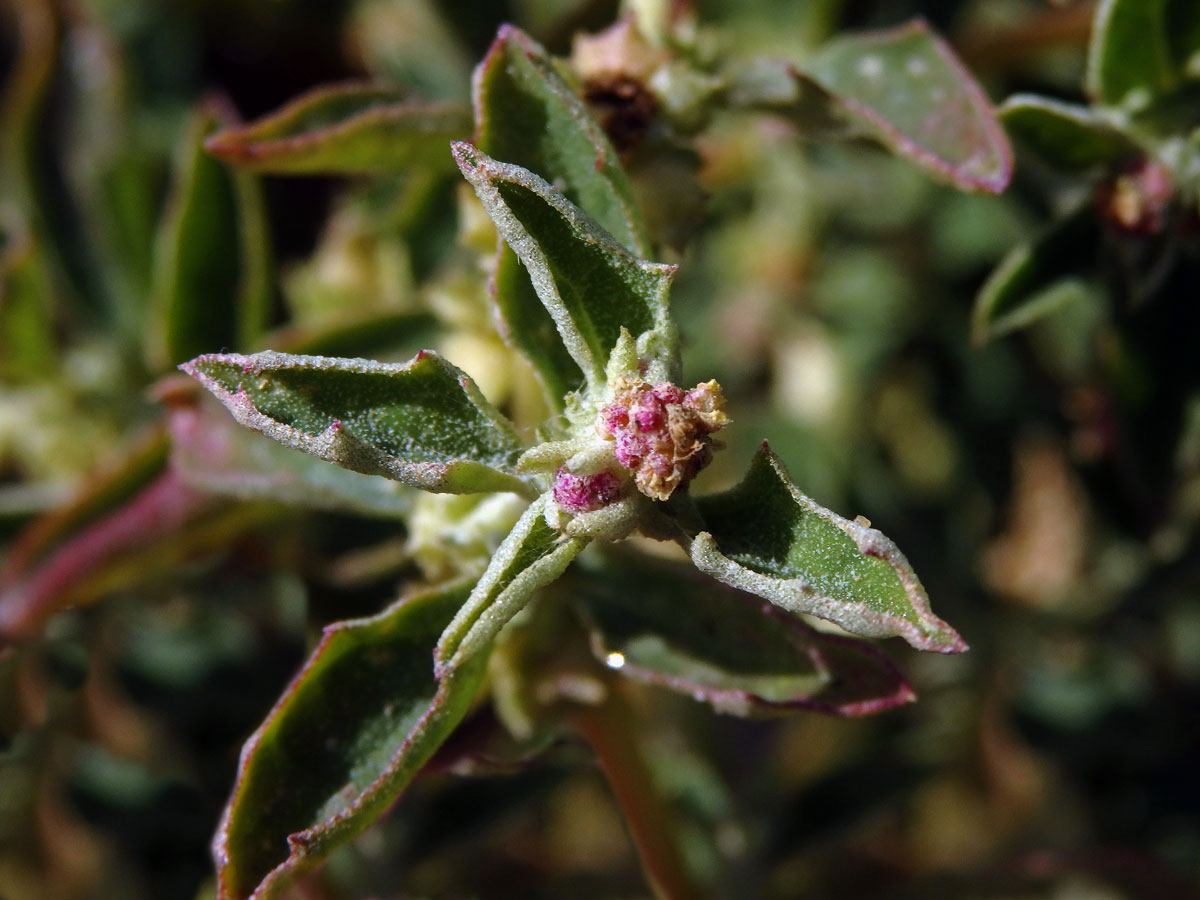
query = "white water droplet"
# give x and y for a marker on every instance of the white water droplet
(615, 660)
(870, 67)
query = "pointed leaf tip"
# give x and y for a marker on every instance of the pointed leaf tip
(528, 115)
(423, 423)
(766, 537)
(591, 286)
(466, 155)
(907, 88)
(345, 129)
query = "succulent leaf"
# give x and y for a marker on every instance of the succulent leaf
(766, 537)
(423, 422)
(346, 738)
(345, 129)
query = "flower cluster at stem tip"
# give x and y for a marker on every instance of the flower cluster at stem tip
(659, 433)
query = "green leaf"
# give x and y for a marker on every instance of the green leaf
(1183, 34)
(91, 212)
(1038, 277)
(529, 116)
(1129, 60)
(906, 88)
(526, 325)
(113, 168)
(777, 86)
(348, 736)
(212, 453)
(423, 423)
(766, 537)
(1063, 134)
(591, 285)
(27, 347)
(533, 555)
(212, 273)
(32, 33)
(346, 129)
(414, 43)
(662, 622)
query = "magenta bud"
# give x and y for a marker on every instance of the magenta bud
(585, 493)
(650, 417)
(630, 448)
(614, 417)
(668, 393)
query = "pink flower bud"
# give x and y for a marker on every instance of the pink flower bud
(630, 448)
(650, 416)
(613, 418)
(668, 393)
(585, 493)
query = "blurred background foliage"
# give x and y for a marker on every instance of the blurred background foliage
(1045, 484)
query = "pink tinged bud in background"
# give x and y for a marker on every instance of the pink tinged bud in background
(1136, 201)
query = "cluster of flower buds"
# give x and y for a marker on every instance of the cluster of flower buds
(661, 432)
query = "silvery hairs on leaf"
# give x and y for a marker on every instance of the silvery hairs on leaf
(423, 423)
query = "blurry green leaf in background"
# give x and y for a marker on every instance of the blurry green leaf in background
(1045, 484)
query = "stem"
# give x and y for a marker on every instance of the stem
(609, 729)
(526, 560)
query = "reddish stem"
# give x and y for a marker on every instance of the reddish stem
(609, 729)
